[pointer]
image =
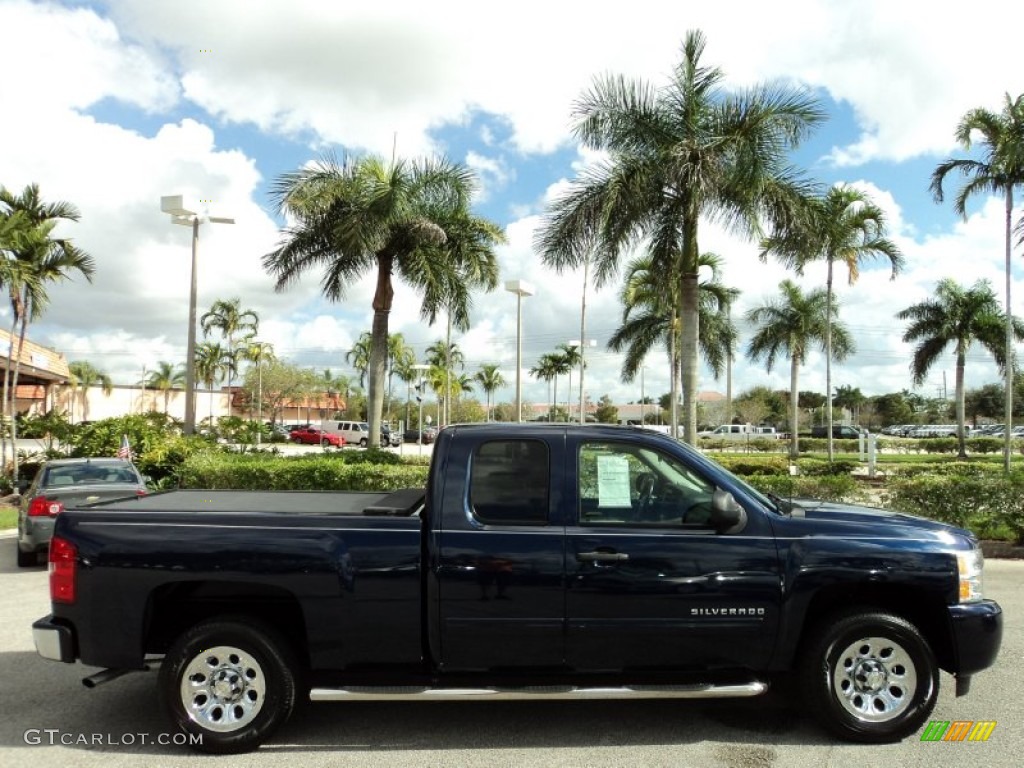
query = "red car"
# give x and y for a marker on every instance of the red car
(314, 436)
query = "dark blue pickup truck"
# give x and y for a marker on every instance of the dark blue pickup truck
(557, 562)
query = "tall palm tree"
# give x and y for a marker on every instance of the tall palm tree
(406, 219)
(235, 324)
(842, 225)
(999, 171)
(547, 368)
(399, 353)
(650, 316)
(447, 356)
(676, 153)
(213, 363)
(956, 317)
(490, 380)
(166, 377)
(790, 325)
(83, 376)
(403, 367)
(43, 259)
(572, 356)
(359, 356)
(260, 353)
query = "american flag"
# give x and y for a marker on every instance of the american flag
(125, 451)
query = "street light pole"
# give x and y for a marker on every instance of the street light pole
(186, 216)
(419, 434)
(520, 288)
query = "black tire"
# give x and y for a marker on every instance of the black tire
(230, 682)
(26, 559)
(363, 442)
(869, 676)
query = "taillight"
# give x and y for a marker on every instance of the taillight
(141, 492)
(44, 507)
(63, 570)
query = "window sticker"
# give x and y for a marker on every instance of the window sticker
(613, 482)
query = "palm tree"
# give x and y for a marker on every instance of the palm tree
(399, 353)
(791, 325)
(547, 368)
(410, 375)
(83, 376)
(406, 219)
(843, 225)
(165, 378)
(650, 315)
(234, 324)
(572, 356)
(42, 259)
(490, 380)
(958, 317)
(447, 356)
(1000, 170)
(258, 352)
(676, 154)
(213, 362)
(359, 356)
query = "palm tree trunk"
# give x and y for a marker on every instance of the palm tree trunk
(6, 408)
(673, 366)
(382, 298)
(688, 355)
(14, 391)
(690, 317)
(794, 414)
(828, 360)
(960, 439)
(1008, 404)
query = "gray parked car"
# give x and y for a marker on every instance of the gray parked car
(69, 482)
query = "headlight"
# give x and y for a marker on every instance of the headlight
(970, 566)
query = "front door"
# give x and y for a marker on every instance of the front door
(650, 585)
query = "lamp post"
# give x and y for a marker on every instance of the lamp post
(520, 288)
(419, 387)
(180, 214)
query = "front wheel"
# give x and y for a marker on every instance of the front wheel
(870, 677)
(363, 442)
(229, 684)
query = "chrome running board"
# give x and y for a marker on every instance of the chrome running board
(548, 693)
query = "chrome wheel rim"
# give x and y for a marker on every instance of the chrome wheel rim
(874, 679)
(223, 688)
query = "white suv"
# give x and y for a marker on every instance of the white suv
(354, 432)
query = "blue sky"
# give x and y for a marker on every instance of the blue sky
(132, 100)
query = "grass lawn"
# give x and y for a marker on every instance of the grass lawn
(8, 518)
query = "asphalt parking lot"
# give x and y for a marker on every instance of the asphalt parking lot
(120, 723)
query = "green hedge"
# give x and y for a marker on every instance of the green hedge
(826, 487)
(987, 505)
(327, 472)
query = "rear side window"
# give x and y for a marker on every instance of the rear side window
(508, 482)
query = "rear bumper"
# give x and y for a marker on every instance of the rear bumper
(977, 634)
(54, 641)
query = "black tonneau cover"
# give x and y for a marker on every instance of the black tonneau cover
(401, 503)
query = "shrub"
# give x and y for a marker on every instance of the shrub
(753, 465)
(826, 487)
(979, 503)
(822, 468)
(310, 472)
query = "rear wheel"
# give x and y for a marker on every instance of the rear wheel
(870, 677)
(26, 559)
(229, 683)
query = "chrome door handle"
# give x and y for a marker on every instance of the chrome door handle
(602, 557)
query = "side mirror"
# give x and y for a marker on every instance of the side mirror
(727, 516)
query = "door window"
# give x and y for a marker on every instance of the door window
(508, 482)
(624, 484)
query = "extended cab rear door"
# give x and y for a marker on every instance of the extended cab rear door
(497, 554)
(650, 585)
